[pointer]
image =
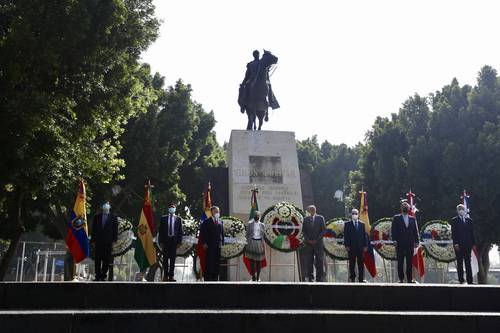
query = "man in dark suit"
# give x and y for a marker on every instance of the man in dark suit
(104, 233)
(356, 244)
(462, 233)
(314, 228)
(170, 238)
(405, 235)
(212, 235)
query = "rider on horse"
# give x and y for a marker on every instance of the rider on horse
(251, 76)
(251, 73)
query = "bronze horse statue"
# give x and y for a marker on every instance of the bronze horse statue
(255, 94)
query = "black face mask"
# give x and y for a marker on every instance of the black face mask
(405, 210)
(256, 218)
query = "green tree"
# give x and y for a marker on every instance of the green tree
(170, 145)
(329, 166)
(438, 146)
(69, 79)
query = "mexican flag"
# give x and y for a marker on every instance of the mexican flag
(254, 206)
(145, 252)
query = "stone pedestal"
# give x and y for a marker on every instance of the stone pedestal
(266, 160)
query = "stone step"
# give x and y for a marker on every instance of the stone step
(234, 296)
(249, 320)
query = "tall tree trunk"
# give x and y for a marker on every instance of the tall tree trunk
(60, 221)
(483, 250)
(11, 251)
(7, 258)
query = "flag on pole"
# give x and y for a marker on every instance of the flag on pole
(77, 236)
(369, 255)
(254, 206)
(418, 254)
(145, 252)
(207, 204)
(474, 262)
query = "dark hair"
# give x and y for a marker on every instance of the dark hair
(256, 54)
(171, 204)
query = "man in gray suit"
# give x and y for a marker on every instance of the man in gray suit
(313, 229)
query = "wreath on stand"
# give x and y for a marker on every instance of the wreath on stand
(234, 237)
(333, 241)
(124, 242)
(283, 227)
(381, 238)
(437, 241)
(189, 239)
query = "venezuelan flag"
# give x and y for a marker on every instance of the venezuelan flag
(77, 238)
(145, 252)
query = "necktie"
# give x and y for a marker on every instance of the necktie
(170, 226)
(104, 220)
(356, 225)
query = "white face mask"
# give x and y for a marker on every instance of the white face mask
(106, 208)
(171, 210)
(355, 217)
(462, 213)
(216, 215)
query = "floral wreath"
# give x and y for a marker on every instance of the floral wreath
(283, 227)
(125, 239)
(234, 237)
(381, 238)
(333, 241)
(189, 230)
(437, 241)
(124, 242)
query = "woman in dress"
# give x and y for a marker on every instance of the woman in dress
(254, 249)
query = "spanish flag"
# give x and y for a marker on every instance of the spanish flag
(207, 204)
(145, 252)
(369, 255)
(77, 237)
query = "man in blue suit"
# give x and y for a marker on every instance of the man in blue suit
(212, 234)
(405, 236)
(356, 244)
(170, 237)
(462, 233)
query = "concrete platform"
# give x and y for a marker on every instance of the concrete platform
(247, 307)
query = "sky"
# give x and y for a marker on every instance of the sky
(341, 63)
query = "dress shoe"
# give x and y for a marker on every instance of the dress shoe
(172, 280)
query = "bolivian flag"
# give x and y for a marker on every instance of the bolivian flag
(145, 252)
(77, 238)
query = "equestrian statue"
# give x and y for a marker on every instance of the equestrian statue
(255, 94)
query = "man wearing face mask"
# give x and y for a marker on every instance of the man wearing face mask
(462, 234)
(405, 237)
(356, 243)
(104, 233)
(212, 234)
(170, 237)
(314, 228)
